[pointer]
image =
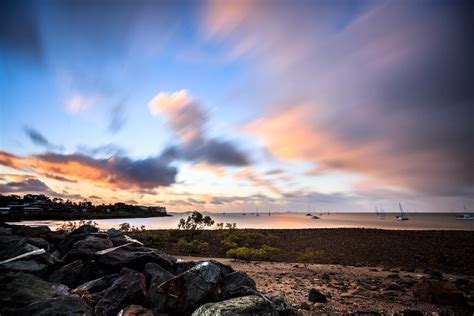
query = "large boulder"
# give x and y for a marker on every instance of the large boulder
(86, 248)
(183, 293)
(27, 266)
(237, 284)
(30, 231)
(136, 310)
(20, 289)
(99, 284)
(438, 292)
(129, 288)
(155, 274)
(281, 303)
(134, 258)
(78, 272)
(246, 305)
(63, 305)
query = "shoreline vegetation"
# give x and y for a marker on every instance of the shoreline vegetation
(14, 208)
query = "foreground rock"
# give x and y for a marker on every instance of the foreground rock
(438, 292)
(246, 305)
(128, 289)
(187, 291)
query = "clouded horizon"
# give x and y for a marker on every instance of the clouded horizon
(228, 105)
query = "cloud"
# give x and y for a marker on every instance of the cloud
(25, 184)
(37, 138)
(117, 118)
(114, 173)
(377, 89)
(185, 115)
(188, 119)
(107, 150)
(210, 151)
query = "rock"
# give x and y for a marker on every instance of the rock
(134, 258)
(182, 266)
(281, 303)
(410, 312)
(237, 284)
(392, 286)
(436, 275)
(438, 292)
(40, 243)
(30, 231)
(129, 288)
(246, 305)
(99, 284)
(315, 296)
(84, 229)
(345, 295)
(20, 289)
(86, 248)
(27, 266)
(304, 306)
(12, 246)
(155, 274)
(192, 288)
(65, 305)
(135, 310)
(393, 276)
(77, 272)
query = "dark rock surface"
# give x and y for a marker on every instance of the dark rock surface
(315, 296)
(438, 292)
(129, 288)
(245, 305)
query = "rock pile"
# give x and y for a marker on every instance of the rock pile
(88, 272)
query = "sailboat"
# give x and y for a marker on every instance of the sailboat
(402, 216)
(466, 216)
(256, 214)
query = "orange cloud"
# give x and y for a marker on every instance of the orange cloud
(113, 173)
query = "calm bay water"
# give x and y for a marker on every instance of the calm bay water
(419, 221)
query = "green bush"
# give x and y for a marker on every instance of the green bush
(192, 246)
(247, 253)
(310, 256)
(227, 244)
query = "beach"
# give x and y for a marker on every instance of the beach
(446, 251)
(348, 289)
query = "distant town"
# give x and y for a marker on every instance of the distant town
(42, 207)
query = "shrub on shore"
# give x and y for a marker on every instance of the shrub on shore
(310, 255)
(247, 253)
(192, 246)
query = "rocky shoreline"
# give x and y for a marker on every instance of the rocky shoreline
(89, 272)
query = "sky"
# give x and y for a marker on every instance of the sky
(233, 105)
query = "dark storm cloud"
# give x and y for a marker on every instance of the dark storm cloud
(211, 151)
(27, 185)
(122, 171)
(115, 172)
(37, 138)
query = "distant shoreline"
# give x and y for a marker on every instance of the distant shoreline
(74, 217)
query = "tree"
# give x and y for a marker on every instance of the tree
(196, 221)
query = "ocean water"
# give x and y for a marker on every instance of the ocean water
(417, 221)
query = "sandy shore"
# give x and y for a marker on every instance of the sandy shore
(347, 288)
